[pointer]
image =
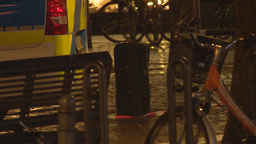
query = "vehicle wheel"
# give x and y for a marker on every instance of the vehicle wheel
(125, 22)
(159, 133)
(154, 26)
(108, 22)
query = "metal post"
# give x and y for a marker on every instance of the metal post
(196, 13)
(251, 85)
(132, 24)
(102, 98)
(89, 27)
(67, 120)
(187, 98)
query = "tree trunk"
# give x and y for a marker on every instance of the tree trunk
(240, 88)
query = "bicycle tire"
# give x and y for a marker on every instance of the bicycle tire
(108, 22)
(154, 26)
(159, 132)
(125, 13)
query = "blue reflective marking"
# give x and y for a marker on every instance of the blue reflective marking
(22, 12)
(83, 37)
(73, 44)
(77, 16)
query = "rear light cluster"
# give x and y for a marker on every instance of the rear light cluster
(56, 17)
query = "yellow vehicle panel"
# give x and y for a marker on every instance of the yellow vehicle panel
(29, 26)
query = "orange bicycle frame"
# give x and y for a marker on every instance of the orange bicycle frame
(214, 81)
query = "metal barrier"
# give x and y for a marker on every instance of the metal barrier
(95, 108)
(95, 104)
(37, 86)
(187, 97)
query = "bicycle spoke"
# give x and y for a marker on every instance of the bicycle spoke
(125, 23)
(180, 12)
(110, 27)
(108, 22)
(185, 13)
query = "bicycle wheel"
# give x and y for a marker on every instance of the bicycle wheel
(176, 15)
(132, 16)
(108, 22)
(159, 132)
(154, 26)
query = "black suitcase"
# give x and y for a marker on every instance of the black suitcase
(132, 80)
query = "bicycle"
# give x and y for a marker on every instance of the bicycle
(220, 16)
(176, 15)
(133, 19)
(202, 129)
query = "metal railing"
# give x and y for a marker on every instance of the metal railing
(95, 101)
(95, 108)
(187, 97)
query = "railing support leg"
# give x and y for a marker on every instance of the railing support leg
(187, 98)
(88, 106)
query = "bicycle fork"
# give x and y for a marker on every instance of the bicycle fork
(208, 125)
(210, 131)
(202, 113)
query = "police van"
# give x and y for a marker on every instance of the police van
(41, 28)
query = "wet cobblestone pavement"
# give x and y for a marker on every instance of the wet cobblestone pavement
(127, 131)
(134, 130)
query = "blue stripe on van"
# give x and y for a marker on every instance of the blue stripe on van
(22, 12)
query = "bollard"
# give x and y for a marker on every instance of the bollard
(67, 120)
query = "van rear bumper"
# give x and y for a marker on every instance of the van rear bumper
(45, 49)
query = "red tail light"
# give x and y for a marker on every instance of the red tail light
(56, 17)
